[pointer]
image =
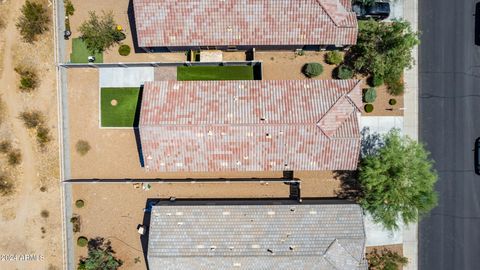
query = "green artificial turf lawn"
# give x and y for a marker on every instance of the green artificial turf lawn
(214, 73)
(80, 52)
(123, 114)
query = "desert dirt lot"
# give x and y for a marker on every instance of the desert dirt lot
(120, 12)
(36, 179)
(115, 215)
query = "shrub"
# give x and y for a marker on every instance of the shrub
(386, 259)
(6, 185)
(344, 72)
(124, 50)
(79, 203)
(100, 256)
(334, 57)
(82, 147)
(33, 21)
(69, 8)
(76, 223)
(100, 33)
(82, 241)
(376, 80)
(43, 136)
(312, 69)
(43, 188)
(14, 157)
(299, 52)
(45, 213)
(368, 108)
(32, 119)
(5, 146)
(392, 101)
(369, 95)
(395, 87)
(28, 78)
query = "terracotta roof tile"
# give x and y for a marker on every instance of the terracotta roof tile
(249, 125)
(164, 23)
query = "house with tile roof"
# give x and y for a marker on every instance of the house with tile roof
(243, 24)
(272, 234)
(201, 126)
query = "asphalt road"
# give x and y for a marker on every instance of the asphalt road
(449, 63)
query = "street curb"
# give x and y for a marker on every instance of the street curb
(410, 232)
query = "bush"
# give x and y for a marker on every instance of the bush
(395, 88)
(76, 223)
(33, 21)
(6, 185)
(43, 136)
(124, 50)
(69, 8)
(14, 157)
(312, 69)
(376, 80)
(334, 57)
(45, 213)
(392, 101)
(369, 95)
(32, 119)
(5, 146)
(343, 72)
(28, 78)
(100, 256)
(368, 108)
(386, 259)
(82, 147)
(100, 33)
(79, 203)
(82, 241)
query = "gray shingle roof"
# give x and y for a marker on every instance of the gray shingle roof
(256, 236)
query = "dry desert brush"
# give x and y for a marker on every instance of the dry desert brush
(32, 119)
(33, 21)
(6, 185)
(28, 78)
(82, 147)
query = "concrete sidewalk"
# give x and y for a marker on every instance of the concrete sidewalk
(410, 233)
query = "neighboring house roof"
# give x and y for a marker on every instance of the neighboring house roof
(170, 23)
(250, 235)
(250, 125)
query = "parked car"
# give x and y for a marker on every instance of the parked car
(477, 156)
(377, 10)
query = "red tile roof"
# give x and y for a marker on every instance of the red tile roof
(250, 125)
(169, 23)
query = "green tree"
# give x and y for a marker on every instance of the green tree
(100, 256)
(33, 21)
(385, 260)
(397, 181)
(100, 33)
(383, 49)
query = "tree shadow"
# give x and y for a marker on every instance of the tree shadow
(350, 187)
(371, 142)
